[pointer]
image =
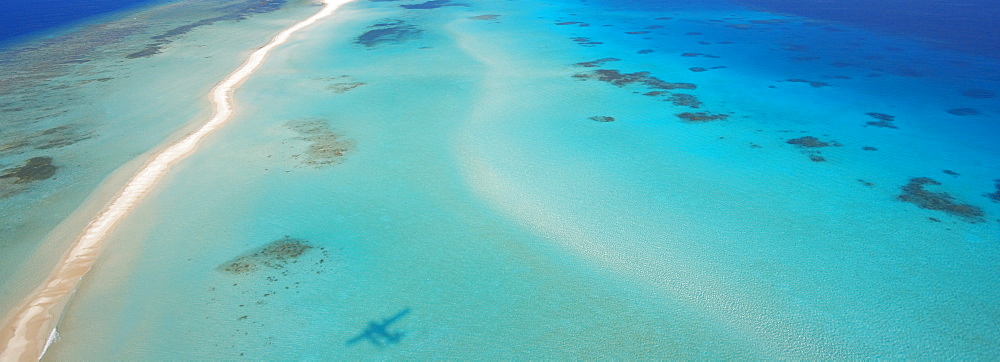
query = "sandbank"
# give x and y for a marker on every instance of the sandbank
(29, 328)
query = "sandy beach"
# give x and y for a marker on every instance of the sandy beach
(30, 329)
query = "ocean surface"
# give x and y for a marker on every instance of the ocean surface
(22, 18)
(497, 179)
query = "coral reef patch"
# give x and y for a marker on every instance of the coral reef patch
(703, 69)
(694, 55)
(585, 41)
(915, 193)
(700, 117)
(247, 286)
(275, 255)
(34, 169)
(344, 87)
(809, 146)
(655, 87)
(325, 146)
(433, 4)
(620, 79)
(811, 83)
(882, 120)
(55, 137)
(684, 100)
(340, 84)
(394, 31)
(596, 63)
(808, 142)
(485, 17)
(963, 111)
(996, 195)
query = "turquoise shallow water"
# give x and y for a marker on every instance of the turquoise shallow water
(74, 97)
(445, 162)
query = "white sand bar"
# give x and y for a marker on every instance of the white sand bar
(29, 328)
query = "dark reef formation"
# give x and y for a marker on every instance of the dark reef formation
(34, 169)
(325, 146)
(275, 255)
(602, 119)
(344, 87)
(684, 100)
(485, 17)
(702, 69)
(814, 84)
(247, 284)
(234, 12)
(433, 4)
(996, 195)
(915, 192)
(19, 179)
(585, 41)
(55, 137)
(882, 120)
(393, 31)
(655, 87)
(623, 79)
(700, 117)
(770, 21)
(596, 63)
(808, 142)
(694, 55)
(963, 111)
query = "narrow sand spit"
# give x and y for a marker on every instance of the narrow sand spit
(30, 328)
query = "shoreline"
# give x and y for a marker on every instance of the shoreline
(28, 331)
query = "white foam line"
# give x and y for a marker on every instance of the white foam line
(28, 333)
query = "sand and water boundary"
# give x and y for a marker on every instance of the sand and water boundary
(31, 327)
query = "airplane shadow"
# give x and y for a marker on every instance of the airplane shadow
(377, 332)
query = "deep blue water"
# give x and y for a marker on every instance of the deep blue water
(971, 26)
(967, 25)
(21, 17)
